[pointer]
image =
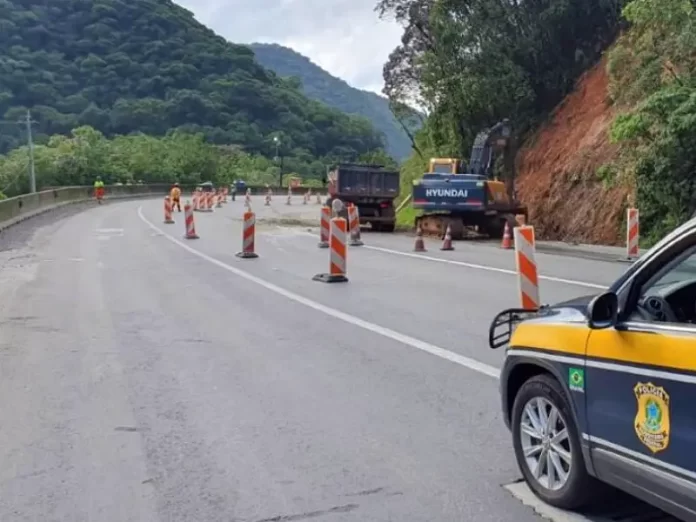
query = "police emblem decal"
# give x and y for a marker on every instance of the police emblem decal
(652, 423)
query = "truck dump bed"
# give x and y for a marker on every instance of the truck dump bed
(366, 181)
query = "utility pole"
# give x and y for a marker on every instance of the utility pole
(30, 142)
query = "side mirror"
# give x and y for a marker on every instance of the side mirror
(603, 311)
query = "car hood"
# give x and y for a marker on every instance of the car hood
(578, 303)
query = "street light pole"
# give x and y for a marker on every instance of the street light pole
(280, 166)
(30, 142)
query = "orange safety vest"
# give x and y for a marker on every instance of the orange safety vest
(176, 193)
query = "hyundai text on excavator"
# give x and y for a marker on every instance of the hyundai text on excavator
(470, 197)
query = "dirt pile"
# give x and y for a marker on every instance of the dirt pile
(557, 169)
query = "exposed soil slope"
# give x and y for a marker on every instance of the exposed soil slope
(557, 169)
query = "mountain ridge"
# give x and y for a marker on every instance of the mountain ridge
(320, 85)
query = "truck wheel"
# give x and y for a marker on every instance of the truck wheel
(388, 227)
(547, 446)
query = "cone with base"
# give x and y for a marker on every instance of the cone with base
(190, 226)
(420, 244)
(447, 243)
(354, 225)
(507, 237)
(168, 211)
(248, 233)
(337, 254)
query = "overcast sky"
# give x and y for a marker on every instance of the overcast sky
(344, 37)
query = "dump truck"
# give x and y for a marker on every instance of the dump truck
(470, 197)
(371, 188)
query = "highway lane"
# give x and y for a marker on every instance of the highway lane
(142, 382)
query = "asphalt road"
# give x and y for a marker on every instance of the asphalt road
(144, 377)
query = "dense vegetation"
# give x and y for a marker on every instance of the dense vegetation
(653, 74)
(179, 156)
(148, 66)
(319, 85)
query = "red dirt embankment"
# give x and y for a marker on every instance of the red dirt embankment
(556, 169)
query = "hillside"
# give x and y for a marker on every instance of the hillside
(148, 66)
(557, 168)
(320, 85)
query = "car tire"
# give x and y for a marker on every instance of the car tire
(580, 488)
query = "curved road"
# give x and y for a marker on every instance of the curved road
(144, 377)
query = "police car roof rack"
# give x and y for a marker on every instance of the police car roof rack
(503, 325)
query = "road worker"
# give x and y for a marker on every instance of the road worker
(175, 196)
(99, 189)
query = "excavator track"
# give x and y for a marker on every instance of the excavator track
(435, 225)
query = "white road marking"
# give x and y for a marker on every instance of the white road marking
(114, 231)
(521, 491)
(483, 267)
(573, 282)
(461, 360)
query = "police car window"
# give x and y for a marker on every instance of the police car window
(681, 269)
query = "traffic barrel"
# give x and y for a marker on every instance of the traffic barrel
(318, 199)
(289, 201)
(528, 279)
(168, 211)
(447, 242)
(268, 198)
(248, 233)
(632, 233)
(324, 227)
(196, 200)
(354, 226)
(337, 253)
(190, 225)
(218, 196)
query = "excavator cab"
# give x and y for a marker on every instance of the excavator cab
(446, 166)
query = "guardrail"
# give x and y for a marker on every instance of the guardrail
(17, 209)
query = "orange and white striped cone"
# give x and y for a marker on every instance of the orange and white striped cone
(224, 194)
(420, 244)
(268, 200)
(305, 198)
(354, 225)
(247, 200)
(248, 235)
(190, 225)
(447, 242)
(218, 196)
(507, 237)
(324, 227)
(195, 198)
(208, 199)
(528, 279)
(289, 201)
(168, 211)
(337, 253)
(318, 199)
(632, 233)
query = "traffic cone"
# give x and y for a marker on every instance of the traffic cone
(420, 244)
(507, 237)
(447, 243)
(168, 210)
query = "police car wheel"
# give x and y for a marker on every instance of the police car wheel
(547, 446)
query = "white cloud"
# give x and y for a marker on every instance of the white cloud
(345, 37)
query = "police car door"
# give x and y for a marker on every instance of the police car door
(640, 381)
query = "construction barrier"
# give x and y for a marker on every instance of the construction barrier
(354, 226)
(168, 210)
(248, 233)
(632, 233)
(190, 225)
(419, 246)
(337, 254)
(218, 197)
(447, 242)
(528, 279)
(324, 228)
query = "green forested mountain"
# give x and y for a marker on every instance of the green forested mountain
(320, 85)
(146, 65)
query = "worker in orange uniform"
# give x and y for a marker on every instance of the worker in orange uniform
(175, 196)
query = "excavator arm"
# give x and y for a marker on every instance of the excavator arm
(497, 138)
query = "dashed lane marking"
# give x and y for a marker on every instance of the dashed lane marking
(418, 344)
